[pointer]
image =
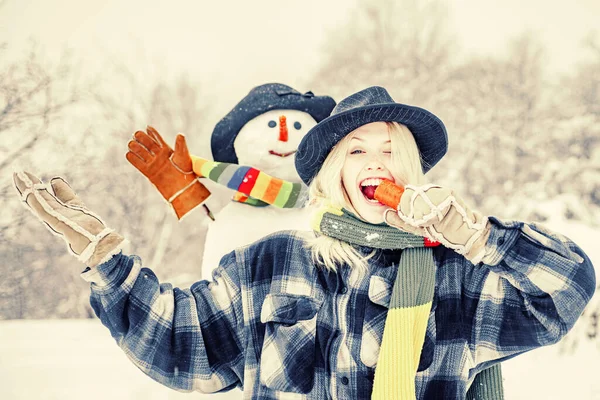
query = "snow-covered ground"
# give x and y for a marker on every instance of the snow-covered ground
(77, 359)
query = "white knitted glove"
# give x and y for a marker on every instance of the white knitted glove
(438, 214)
(66, 216)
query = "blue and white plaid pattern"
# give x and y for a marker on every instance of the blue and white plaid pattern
(278, 326)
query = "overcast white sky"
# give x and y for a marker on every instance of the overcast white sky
(235, 45)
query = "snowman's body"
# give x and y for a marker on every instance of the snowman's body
(239, 224)
(262, 145)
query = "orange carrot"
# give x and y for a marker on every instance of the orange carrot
(283, 130)
(389, 194)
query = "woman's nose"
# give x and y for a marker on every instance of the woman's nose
(374, 165)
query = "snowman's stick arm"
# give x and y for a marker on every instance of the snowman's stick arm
(252, 182)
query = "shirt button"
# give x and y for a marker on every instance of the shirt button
(345, 380)
(500, 241)
(344, 290)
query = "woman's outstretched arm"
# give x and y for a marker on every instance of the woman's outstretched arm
(187, 339)
(528, 291)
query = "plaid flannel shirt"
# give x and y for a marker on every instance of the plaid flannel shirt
(275, 325)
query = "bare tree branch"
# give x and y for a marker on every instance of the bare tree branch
(30, 101)
(16, 153)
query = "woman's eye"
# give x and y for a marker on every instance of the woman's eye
(357, 151)
(272, 124)
(297, 125)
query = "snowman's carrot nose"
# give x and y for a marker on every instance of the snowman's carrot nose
(283, 131)
(389, 194)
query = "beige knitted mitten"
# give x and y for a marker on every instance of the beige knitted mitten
(439, 214)
(65, 215)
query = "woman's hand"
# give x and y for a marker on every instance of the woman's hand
(439, 214)
(61, 210)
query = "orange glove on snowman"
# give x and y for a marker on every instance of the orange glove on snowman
(167, 169)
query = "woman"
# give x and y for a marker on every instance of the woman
(361, 309)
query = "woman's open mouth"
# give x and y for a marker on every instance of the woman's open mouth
(289, 153)
(368, 187)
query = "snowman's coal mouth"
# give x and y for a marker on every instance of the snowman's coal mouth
(289, 153)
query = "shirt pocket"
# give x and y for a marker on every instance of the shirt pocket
(288, 355)
(380, 292)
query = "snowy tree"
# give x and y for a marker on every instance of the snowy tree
(496, 125)
(87, 147)
(576, 137)
(577, 180)
(506, 137)
(34, 97)
(404, 46)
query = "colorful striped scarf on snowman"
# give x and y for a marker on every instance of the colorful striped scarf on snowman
(252, 186)
(411, 299)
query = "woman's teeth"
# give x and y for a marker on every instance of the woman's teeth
(368, 187)
(371, 182)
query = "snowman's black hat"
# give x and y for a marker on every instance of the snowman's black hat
(271, 96)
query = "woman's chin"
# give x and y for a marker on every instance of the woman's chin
(377, 218)
(368, 210)
(373, 214)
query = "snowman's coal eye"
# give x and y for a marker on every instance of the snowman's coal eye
(297, 125)
(272, 124)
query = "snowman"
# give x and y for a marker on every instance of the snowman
(253, 149)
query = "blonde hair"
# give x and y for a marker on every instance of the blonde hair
(327, 187)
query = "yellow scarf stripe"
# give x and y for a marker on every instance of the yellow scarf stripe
(317, 217)
(405, 326)
(400, 353)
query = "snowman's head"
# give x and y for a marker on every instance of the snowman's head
(252, 133)
(269, 142)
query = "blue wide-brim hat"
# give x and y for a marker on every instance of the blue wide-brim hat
(271, 96)
(373, 104)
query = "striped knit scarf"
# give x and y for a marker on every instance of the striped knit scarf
(252, 186)
(410, 303)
